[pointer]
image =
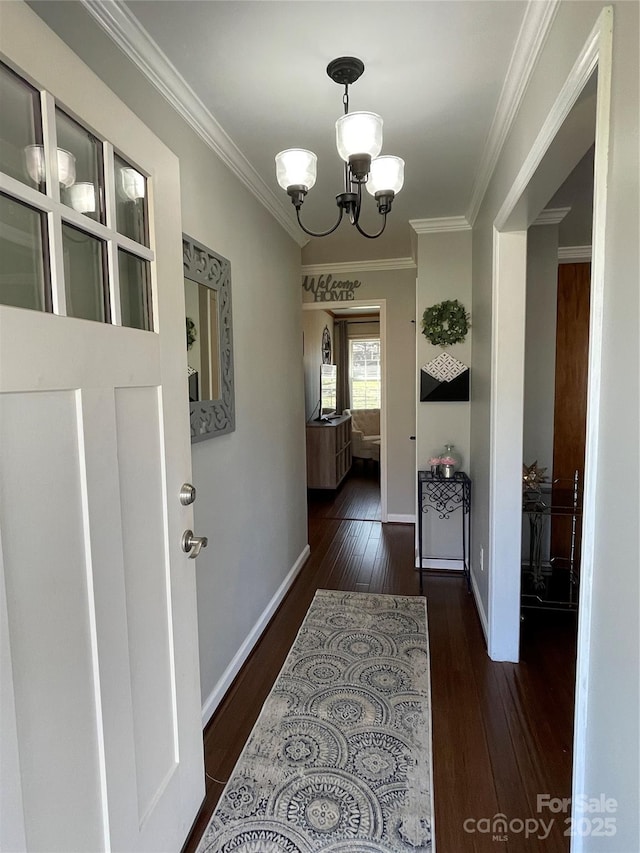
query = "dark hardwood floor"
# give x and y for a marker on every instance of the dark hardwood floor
(502, 733)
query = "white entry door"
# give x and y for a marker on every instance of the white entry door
(100, 699)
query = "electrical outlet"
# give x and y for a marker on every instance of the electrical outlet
(481, 558)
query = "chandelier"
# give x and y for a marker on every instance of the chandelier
(359, 142)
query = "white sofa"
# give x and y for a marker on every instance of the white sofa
(365, 433)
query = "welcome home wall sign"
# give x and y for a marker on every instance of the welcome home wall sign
(327, 289)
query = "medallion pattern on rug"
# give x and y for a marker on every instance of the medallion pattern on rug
(340, 757)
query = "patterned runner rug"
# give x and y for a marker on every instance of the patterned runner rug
(340, 757)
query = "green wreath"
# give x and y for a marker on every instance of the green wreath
(192, 333)
(446, 323)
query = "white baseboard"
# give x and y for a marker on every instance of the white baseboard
(215, 697)
(399, 518)
(480, 608)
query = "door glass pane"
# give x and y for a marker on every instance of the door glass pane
(131, 202)
(84, 275)
(135, 291)
(81, 183)
(20, 130)
(23, 273)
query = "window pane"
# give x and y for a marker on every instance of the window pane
(364, 373)
(23, 273)
(81, 184)
(135, 291)
(84, 268)
(131, 202)
(20, 130)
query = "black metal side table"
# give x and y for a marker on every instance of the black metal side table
(445, 495)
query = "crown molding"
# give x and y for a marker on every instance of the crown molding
(574, 254)
(537, 21)
(551, 216)
(360, 266)
(136, 43)
(443, 223)
(583, 67)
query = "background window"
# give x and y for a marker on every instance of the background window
(364, 373)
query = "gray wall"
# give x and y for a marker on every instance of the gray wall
(397, 287)
(444, 272)
(313, 323)
(612, 633)
(254, 540)
(540, 345)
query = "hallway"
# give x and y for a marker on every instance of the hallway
(502, 733)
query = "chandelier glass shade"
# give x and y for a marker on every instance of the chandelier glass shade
(132, 184)
(82, 197)
(387, 173)
(296, 167)
(358, 134)
(34, 155)
(359, 142)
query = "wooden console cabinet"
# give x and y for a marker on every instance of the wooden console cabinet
(328, 452)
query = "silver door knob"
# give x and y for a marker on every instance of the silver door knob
(192, 545)
(187, 494)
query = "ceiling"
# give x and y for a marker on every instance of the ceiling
(434, 71)
(577, 193)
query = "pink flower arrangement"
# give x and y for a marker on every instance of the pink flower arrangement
(447, 460)
(435, 460)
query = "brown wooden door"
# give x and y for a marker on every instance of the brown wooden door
(570, 410)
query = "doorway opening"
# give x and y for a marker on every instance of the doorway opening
(357, 333)
(554, 436)
(555, 399)
(535, 184)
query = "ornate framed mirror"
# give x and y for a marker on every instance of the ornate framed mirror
(207, 288)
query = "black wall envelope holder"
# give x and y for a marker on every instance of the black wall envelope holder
(437, 391)
(194, 393)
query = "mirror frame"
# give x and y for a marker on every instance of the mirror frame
(210, 418)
